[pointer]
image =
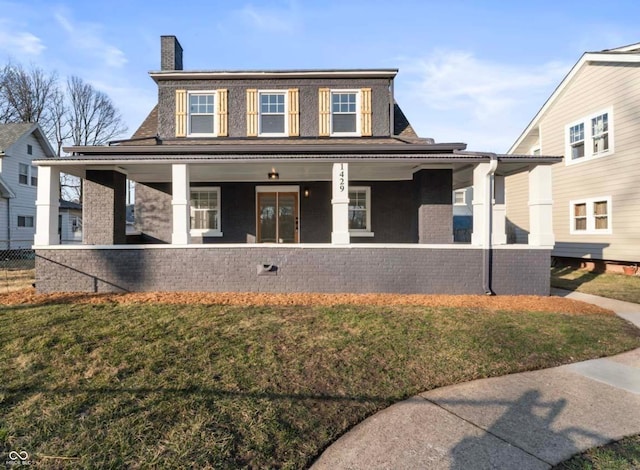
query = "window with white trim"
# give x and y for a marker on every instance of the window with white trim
(273, 110)
(345, 116)
(360, 210)
(205, 211)
(590, 137)
(25, 221)
(27, 175)
(591, 216)
(459, 197)
(202, 114)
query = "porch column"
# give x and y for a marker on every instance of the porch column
(434, 193)
(104, 207)
(340, 204)
(499, 230)
(47, 206)
(540, 206)
(480, 199)
(180, 202)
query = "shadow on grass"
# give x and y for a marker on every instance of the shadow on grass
(571, 283)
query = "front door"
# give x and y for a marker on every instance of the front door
(277, 217)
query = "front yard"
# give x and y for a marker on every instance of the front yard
(111, 384)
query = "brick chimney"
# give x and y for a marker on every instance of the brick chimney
(170, 53)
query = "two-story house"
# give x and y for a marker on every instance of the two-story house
(288, 181)
(592, 118)
(20, 144)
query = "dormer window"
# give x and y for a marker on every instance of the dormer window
(344, 112)
(201, 114)
(273, 109)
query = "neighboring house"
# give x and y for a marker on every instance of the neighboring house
(20, 144)
(288, 181)
(70, 222)
(592, 118)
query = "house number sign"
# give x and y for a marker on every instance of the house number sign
(340, 181)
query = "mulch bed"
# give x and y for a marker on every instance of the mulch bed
(511, 303)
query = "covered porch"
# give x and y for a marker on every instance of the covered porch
(294, 222)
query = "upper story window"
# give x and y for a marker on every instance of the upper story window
(591, 216)
(344, 112)
(205, 211)
(201, 114)
(590, 137)
(273, 113)
(27, 175)
(29, 149)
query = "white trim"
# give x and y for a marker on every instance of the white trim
(591, 217)
(586, 58)
(285, 114)
(358, 112)
(367, 231)
(588, 137)
(198, 232)
(213, 93)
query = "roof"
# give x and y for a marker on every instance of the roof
(622, 55)
(270, 74)
(10, 133)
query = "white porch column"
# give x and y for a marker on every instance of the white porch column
(499, 231)
(480, 193)
(540, 206)
(47, 204)
(180, 204)
(340, 204)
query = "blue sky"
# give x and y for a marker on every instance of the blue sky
(470, 71)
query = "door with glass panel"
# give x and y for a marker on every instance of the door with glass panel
(277, 217)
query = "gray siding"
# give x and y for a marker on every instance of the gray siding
(235, 269)
(308, 96)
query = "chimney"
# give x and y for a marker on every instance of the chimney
(170, 53)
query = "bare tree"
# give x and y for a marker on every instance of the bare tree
(92, 117)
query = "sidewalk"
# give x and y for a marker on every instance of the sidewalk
(531, 420)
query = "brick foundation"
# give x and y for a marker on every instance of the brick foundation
(358, 269)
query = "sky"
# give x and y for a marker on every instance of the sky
(469, 71)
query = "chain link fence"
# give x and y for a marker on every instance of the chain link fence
(17, 269)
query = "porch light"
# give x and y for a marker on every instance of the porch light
(306, 192)
(273, 174)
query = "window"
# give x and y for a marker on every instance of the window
(23, 173)
(360, 211)
(344, 112)
(34, 176)
(25, 221)
(205, 211)
(202, 114)
(459, 198)
(29, 149)
(591, 216)
(590, 137)
(272, 113)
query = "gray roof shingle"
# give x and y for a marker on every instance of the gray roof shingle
(11, 132)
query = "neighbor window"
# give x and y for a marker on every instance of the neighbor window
(29, 149)
(205, 211)
(272, 113)
(201, 114)
(344, 115)
(34, 176)
(459, 197)
(360, 210)
(23, 173)
(25, 221)
(591, 216)
(589, 138)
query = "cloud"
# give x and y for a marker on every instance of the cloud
(283, 20)
(456, 93)
(19, 42)
(87, 37)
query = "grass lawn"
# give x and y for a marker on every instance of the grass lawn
(621, 455)
(614, 286)
(203, 386)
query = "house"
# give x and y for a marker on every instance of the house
(70, 222)
(288, 181)
(592, 118)
(20, 144)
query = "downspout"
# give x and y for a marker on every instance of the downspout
(8, 223)
(487, 247)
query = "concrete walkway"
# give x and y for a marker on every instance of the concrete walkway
(531, 420)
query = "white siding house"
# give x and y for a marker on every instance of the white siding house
(20, 144)
(592, 118)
